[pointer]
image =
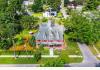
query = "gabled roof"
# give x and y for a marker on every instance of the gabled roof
(50, 31)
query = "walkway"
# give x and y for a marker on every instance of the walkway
(25, 56)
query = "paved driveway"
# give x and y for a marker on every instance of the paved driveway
(87, 54)
(89, 60)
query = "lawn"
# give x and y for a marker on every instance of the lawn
(17, 61)
(75, 60)
(97, 45)
(45, 51)
(25, 33)
(71, 47)
(17, 52)
(38, 14)
(9, 60)
(23, 60)
(59, 15)
(93, 50)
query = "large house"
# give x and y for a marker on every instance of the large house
(50, 34)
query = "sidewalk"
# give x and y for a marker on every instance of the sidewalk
(45, 56)
(25, 56)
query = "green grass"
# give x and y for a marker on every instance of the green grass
(93, 50)
(16, 61)
(98, 58)
(97, 45)
(25, 33)
(71, 60)
(38, 14)
(45, 51)
(72, 47)
(12, 52)
(31, 60)
(24, 60)
(75, 60)
(59, 15)
(44, 60)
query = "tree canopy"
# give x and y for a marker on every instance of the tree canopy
(82, 29)
(91, 4)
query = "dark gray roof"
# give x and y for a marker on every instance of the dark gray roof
(50, 31)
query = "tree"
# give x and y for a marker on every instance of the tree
(28, 22)
(91, 4)
(13, 9)
(32, 41)
(81, 2)
(9, 21)
(45, 7)
(19, 41)
(3, 5)
(81, 29)
(58, 62)
(54, 4)
(5, 43)
(37, 6)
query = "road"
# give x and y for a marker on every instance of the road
(63, 11)
(19, 65)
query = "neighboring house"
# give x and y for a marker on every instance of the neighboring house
(28, 2)
(50, 34)
(74, 5)
(48, 14)
(98, 8)
(79, 8)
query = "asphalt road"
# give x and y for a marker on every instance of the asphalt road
(19, 65)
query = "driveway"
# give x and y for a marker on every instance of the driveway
(87, 54)
(89, 60)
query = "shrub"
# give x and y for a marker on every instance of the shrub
(6, 43)
(44, 20)
(37, 56)
(32, 41)
(58, 62)
(19, 41)
(55, 63)
(64, 56)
